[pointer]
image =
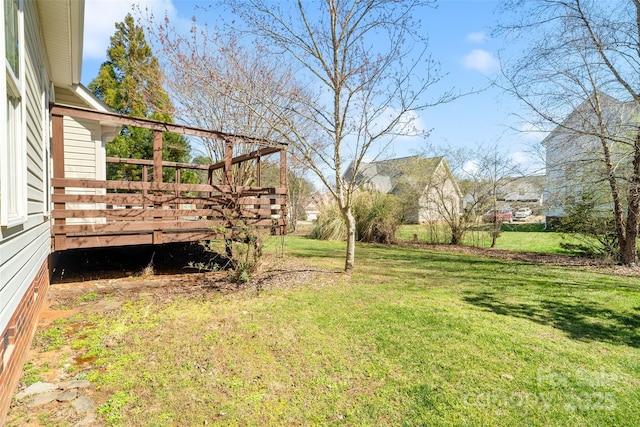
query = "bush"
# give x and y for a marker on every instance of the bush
(595, 228)
(242, 246)
(330, 224)
(377, 217)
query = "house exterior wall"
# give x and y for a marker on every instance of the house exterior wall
(575, 153)
(441, 198)
(18, 334)
(84, 152)
(25, 246)
(568, 157)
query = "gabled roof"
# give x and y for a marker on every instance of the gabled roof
(92, 101)
(578, 121)
(385, 175)
(62, 27)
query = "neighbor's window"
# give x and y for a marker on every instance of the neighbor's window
(13, 200)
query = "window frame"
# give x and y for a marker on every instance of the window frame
(13, 148)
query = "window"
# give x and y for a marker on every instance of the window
(12, 36)
(13, 199)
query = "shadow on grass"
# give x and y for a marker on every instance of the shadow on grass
(581, 320)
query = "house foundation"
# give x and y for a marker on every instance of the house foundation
(16, 337)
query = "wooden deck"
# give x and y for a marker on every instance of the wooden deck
(98, 213)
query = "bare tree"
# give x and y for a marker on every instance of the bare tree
(218, 83)
(481, 174)
(585, 55)
(368, 68)
(339, 80)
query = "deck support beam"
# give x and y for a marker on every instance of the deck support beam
(57, 153)
(157, 178)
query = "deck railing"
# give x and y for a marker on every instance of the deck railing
(96, 213)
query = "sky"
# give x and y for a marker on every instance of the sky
(459, 34)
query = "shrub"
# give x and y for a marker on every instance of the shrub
(242, 246)
(377, 217)
(330, 224)
(595, 228)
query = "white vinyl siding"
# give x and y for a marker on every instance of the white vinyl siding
(21, 258)
(13, 202)
(83, 153)
(25, 247)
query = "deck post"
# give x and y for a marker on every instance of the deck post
(157, 178)
(228, 162)
(283, 168)
(283, 184)
(178, 179)
(145, 178)
(259, 171)
(57, 153)
(157, 156)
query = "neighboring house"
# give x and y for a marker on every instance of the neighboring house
(574, 153)
(42, 46)
(314, 203)
(311, 205)
(429, 180)
(520, 192)
(511, 193)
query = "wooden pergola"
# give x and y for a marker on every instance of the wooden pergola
(155, 212)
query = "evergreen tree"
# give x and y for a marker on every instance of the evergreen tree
(130, 82)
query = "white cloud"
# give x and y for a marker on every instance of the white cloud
(477, 37)
(470, 168)
(100, 17)
(481, 60)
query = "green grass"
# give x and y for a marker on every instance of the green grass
(516, 237)
(415, 337)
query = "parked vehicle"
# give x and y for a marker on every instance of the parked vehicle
(499, 215)
(522, 213)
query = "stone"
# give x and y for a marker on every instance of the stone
(67, 385)
(68, 395)
(42, 399)
(83, 404)
(89, 420)
(36, 388)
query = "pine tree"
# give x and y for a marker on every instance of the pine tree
(130, 82)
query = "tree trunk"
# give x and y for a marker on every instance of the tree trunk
(629, 247)
(350, 222)
(456, 234)
(495, 232)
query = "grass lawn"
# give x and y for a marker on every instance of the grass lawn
(415, 337)
(516, 237)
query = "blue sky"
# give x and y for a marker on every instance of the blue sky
(459, 34)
